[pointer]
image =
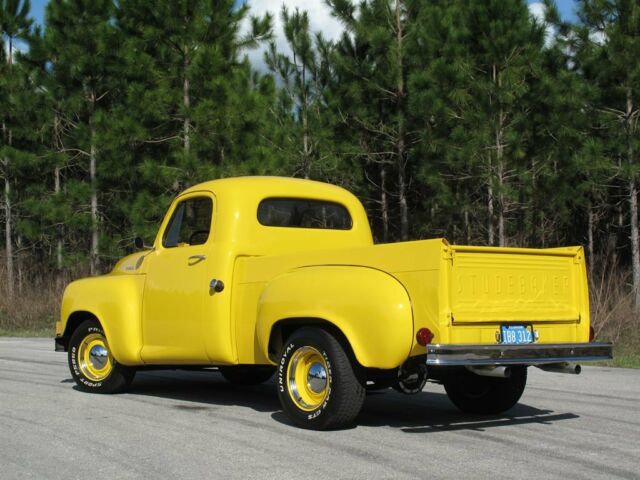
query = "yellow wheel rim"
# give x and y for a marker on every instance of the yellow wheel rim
(308, 379)
(94, 358)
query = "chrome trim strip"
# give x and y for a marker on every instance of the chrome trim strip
(530, 354)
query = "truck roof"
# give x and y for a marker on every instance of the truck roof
(237, 208)
(267, 186)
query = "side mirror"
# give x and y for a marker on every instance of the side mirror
(139, 244)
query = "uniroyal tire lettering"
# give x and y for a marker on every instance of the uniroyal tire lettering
(281, 368)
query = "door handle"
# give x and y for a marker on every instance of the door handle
(193, 259)
(216, 285)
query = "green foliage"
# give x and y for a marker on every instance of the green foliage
(469, 120)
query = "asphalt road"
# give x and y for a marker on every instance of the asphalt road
(176, 424)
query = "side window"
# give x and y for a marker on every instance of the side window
(302, 213)
(189, 224)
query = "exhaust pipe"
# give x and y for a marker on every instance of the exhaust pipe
(561, 368)
(496, 372)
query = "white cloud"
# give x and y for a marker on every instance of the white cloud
(320, 20)
(18, 46)
(537, 10)
(598, 37)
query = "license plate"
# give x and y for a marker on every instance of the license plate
(516, 334)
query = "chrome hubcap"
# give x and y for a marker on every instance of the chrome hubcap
(317, 378)
(98, 356)
(309, 378)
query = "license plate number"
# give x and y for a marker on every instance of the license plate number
(516, 334)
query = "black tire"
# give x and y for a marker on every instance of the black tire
(336, 400)
(91, 363)
(247, 374)
(473, 393)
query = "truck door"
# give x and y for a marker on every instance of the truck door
(177, 287)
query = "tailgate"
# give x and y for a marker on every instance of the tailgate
(491, 284)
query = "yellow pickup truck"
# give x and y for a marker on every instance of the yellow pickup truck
(262, 275)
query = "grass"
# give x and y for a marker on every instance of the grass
(625, 355)
(25, 332)
(33, 309)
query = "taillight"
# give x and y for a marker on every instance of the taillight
(592, 334)
(424, 336)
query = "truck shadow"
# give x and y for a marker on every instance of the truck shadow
(431, 411)
(203, 390)
(427, 412)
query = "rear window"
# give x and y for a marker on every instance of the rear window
(303, 213)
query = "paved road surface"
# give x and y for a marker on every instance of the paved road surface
(194, 425)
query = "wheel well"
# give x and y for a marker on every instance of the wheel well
(283, 329)
(74, 321)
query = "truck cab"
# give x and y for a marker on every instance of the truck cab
(264, 275)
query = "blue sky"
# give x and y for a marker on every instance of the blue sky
(566, 7)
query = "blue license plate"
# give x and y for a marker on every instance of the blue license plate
(516, 334)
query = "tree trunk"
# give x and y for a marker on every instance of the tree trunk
(8, 227)
(56, 190)
(186, 103)
(400, 144)
(467, 227)
(635, 247)
(590, 246)
(633, 205)
(500, 165)
(18, 262)
(490, 231)
(7, 211)
(384, 202)
(94, 264)
(501, 232)
(304, 111)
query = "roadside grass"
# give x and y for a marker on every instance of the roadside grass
(614, 316)
(33, 309)
(626, 354)
(37, 332)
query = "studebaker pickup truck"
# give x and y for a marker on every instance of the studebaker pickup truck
(264, 275)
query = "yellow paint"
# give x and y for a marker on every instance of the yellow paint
(156, 306)
(297, 379)
(116, 301)
(87, 367)
(173, 312)
(370, 307)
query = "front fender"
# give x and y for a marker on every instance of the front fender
(116, 301)
(370, 307)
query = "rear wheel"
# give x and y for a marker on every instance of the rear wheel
(91, 363)
(318, 384)
(247, 374)
(473, 393)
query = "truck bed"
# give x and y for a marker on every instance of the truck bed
(461, 293)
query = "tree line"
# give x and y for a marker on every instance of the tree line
(469, 120)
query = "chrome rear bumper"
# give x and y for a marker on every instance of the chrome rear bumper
(530, 354)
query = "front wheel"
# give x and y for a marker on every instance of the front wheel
(91, 363)
(473, 393)
(318, 385)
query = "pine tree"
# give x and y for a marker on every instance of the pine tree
(14, 23)
(303, 76)
(191, 108)
(372, 56)
(610, 47)
(85, 46)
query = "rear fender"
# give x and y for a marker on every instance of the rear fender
(369, 307)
